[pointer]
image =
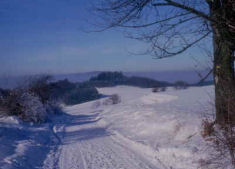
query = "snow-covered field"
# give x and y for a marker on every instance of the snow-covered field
(146, 130)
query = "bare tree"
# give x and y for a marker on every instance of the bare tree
(171, 27)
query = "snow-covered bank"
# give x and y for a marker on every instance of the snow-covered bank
(163, 128)
(144, 131)
(22, 145)
(167, 122)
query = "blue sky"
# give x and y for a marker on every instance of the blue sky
(46, 36)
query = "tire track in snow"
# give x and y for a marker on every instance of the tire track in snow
(84, 144)
(53, 157)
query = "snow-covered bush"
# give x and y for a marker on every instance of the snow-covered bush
(32, 108)
(159, 89)
(155, 90)
(40, 87)
(221, 143)
(113, 99)
(32, 102)
(219, 132)
(10, 105)
(221, 146)
(25, 105)
(3, 110)
(53, 107)
(163, 89)
(39, 97)
(181, 85)
(207, 128)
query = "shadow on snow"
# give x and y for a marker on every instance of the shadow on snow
(80, 133)
(39, 140)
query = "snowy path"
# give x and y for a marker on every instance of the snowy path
(144, 131)
(85, 144)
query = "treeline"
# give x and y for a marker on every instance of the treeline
(40, 97)
(109, 79)
(72, 93)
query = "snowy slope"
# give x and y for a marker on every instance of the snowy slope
(146, 130)
(168, 123)
(24, 146)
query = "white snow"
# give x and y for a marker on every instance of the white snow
(23, 146)
(10, 120)
(153, 98)
(145, 130)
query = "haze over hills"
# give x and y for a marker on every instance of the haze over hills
(189, 76)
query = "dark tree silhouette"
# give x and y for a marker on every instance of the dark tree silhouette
(171, 27)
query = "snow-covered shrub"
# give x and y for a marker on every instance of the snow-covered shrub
(33, 102)
(207, 128)
(113, 99)
(3, 110)
(32, 108)
(221, 147)
(181, 85)
(10, 103)
(53, 107)
(221, 143)
(25, 105)
(155, 90)
(159, 89)
(40, 87)
(219, 131)
(163, 89)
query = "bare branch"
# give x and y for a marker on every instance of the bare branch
(167, 53)
(206, 76)
(153, 23)
(187, 8)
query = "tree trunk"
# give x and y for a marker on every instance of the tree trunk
(223, 67)
(224, 81)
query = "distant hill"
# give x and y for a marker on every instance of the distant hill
(188, 76)
(108, 79)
